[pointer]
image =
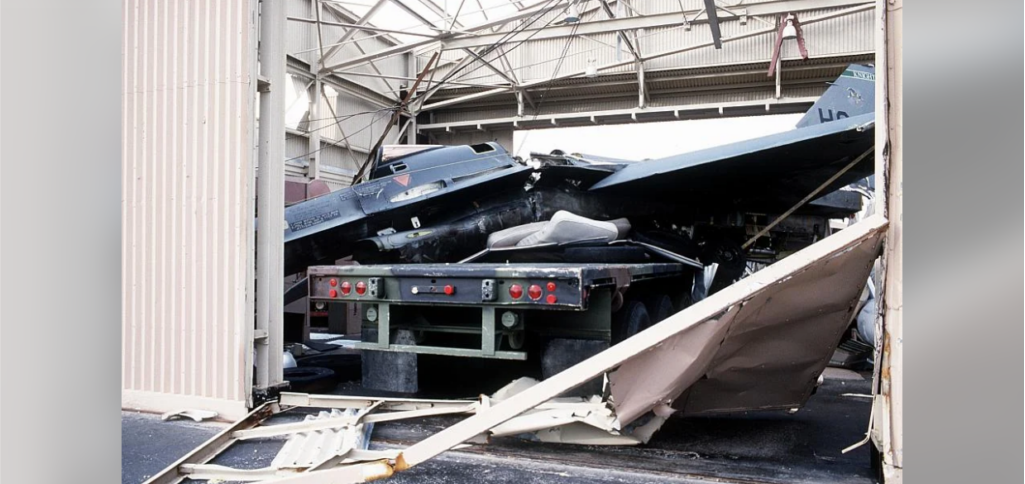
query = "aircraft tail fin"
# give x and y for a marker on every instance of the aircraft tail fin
(852, 94)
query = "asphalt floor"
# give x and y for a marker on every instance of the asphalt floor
(752, 447)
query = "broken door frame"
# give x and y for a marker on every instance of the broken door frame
(887, 430)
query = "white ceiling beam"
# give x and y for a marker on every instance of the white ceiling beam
(356, 27)
(388, 52)
(501, 51)
(348, 34)
(411, 79)
(398, 49)
(652, 113)
(437, 10)
(440, 12)
(634, 47)
(346, 15)
(362, 22)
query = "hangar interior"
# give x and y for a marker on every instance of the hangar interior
(352, 76)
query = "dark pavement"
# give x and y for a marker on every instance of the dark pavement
(762, 447)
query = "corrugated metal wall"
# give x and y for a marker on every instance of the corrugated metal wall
(187, 210)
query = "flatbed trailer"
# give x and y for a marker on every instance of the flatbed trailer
(491, 310)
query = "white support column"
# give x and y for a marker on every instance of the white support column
(642, 96)
(411, 72)
(314, 126)
(779, 77)
(271, 196)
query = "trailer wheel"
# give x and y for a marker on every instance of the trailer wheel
(659, 306)
(682, 300)
(310, 379)
(630, 320)
(516, 340)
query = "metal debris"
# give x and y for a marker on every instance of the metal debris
(196, 415)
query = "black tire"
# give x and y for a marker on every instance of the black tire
(310, 379)
(660, 307)
(346, 366)
(682, 299)
(629, 320)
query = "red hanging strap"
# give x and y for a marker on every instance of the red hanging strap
(776, 51)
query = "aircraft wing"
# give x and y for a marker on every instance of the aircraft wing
(768, 173)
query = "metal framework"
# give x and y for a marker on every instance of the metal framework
(486, 45)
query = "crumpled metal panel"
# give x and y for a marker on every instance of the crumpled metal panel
(659, 376)
(306, 449)
(782, 340)
(764, 353)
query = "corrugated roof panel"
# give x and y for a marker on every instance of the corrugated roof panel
(308, 448)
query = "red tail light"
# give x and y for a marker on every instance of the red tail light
(361, 288)
(552, 299)
(333, 282)
(346, 288)
(516, 291)
(534, 292)
(550, 287)
(450, 290)
(333, 293)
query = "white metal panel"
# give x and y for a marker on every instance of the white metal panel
(300, 37)
(297, 151)
(187, 218)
